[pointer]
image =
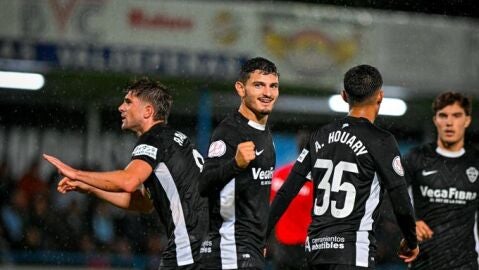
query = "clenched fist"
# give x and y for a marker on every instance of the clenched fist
(245, 154)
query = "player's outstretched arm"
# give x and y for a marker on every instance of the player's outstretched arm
(128, 179)
(136, 201)
(62, 168)
(407, 254)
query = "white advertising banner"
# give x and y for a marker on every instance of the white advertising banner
(311, 44)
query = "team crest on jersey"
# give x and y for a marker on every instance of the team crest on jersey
(397, 166)
(472, 174)
(217, 149)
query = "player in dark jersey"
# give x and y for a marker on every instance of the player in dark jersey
(238, 171)
(162, 174)
(443, 179)
(351, 162)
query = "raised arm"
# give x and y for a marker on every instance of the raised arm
(223, 164)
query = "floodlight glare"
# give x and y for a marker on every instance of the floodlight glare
(21, 80)
(389, 106)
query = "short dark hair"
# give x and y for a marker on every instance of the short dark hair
(361, 82)
(449, 98)
(257, 63)
(155, 93)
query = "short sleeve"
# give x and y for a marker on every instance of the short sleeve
(147, 149)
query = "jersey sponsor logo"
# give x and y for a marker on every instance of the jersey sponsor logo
(264, 175)
(302, 155)
(397, 166)
(345, 125)
(327, 242)
(472, 174)
(426, 173)
(449, 196)
(350, 140)
(259, 152)
(145, 150)
(217, 149)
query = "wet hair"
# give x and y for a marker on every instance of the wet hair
(449, 98)
(154, 93)
(361, 82)
(258, 63)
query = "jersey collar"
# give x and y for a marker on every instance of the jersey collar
(450, 154)
(255, 125)
(250, 123)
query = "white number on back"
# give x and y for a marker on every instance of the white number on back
(335, 186)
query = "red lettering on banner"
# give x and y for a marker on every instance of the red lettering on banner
(138, 18)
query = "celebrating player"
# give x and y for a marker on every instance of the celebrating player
(163, 174)
(351, 162)
(238, 171)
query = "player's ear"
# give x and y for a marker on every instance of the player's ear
(344, 95)
(148, 111)
(380, 96)
(468, 121)
(240, 89)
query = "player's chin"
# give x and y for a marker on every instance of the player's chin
(266, 109)
(265, 112)
(450, 140)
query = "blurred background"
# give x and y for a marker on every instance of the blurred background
(82, 53)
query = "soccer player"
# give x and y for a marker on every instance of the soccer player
(237, 173)
(443, 180)
(162, 174)
(351, 162)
